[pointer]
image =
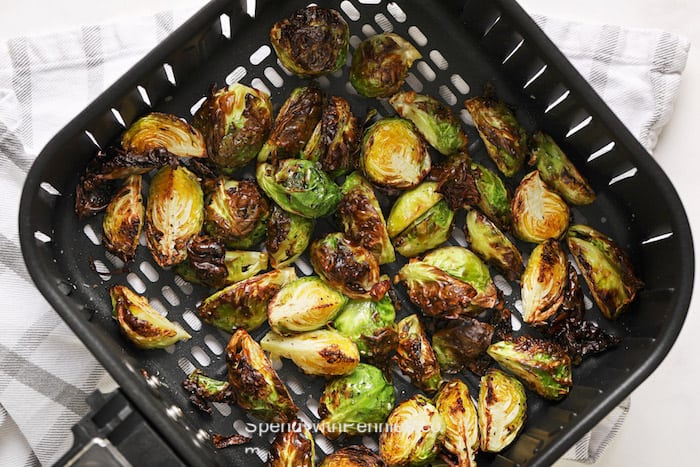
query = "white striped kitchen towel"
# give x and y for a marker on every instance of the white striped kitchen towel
(45, 372)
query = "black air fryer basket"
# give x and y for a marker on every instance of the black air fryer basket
(464, 45)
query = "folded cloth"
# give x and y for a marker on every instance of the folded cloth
(44, 81)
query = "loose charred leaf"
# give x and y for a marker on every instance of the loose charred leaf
(288, 235)
(204, 389)
(456, 182)
(462, 343)
(415, 356)
(502, 410)
(492, 245)
(353, 456)
(494, 199)
(163, 131)
(221, 441)
(93, 194)
(462, 428)
(124, 219)
(543, 282)
(538, 212)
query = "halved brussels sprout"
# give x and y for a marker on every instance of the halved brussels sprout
(294, 124)
(204, 389)
(494, 198)
(163, 131)
(293, 447)
(380, 64)
(606, 269)
(502, 410)
(256, 385)
(348, 267)
(174, 214)
(455, 181)
(410, 206)
(493, 246)
(305, 304)
(538, 212)
(462, 427)
(236, 213)
(244, 304)
(541, 365)
(362, 218)
(322, 352)
(558, 172)
(123, 220)
(414, 434)
(357, 403)
(141, 323)
(235, 122)
(353, 456)
(370, 325)
(300, 187)
(461, 344)
(504, 138)
(393, 155)
(415, 356)
(434, 120)
(288, 235)
(311, 42)
(543, 282)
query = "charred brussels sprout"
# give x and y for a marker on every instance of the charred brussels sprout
(543, 282)
(502, 409)
(492, 245)
(204, 390)
(348, 267)
(322, 352)
(456, 182)
(363, 398)
(459, 345)
(380, 64)
(353, 456)
(606, 269)
(462, 427)
(174, 214)
(294, 447)
(244, 304)
(124, 219)
(141, 323)
(494, 198)
(288, 235)
(434, 120)
(558, 172)
(311, 42)
(236, 213)
(163, 131)
(235, 122)
(541, 365)
(256, 385)
(370, 325)
(362, 218)
(415, 433)
(415, 356)
(305, 304)
(393, 155)
(299, 187)
(538, 212)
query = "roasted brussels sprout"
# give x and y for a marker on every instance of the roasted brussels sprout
(558, 172)
(123, 220)
(312, 41)
(462, 427)
(415, 356)
(541, 365)
(235, 122)
(370, 325)
(204, 389)
(288, 235)
(294, 124)
(348, 267)
(244, 304)
(414, 434)
(393, 155)
(538, 212)
(458, 345)
(93, 194)
(357, 403)
(362, 218)
(353, 456)
(493, 246)
(380, 64)
(502, 410)
(543, 282)
(434, 120)
(141, 323)
(294, 447)
(163, 131)
(606, 269)
(494, 200)
(256, 385)
(305, 304)
(174, 214)
(504, 138)
(410, 206)
(335, 141)
(299, 187)
(322, 352)
(455, 181)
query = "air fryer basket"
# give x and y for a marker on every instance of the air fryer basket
(464, 45)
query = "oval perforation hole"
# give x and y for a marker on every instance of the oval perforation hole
(273, 77)
(118, 117)
(495, 22)
(312, 405)
(354, 42)
(158, 306)
(213, 344)
(438, 60)
(149, 271)
(102, 270)
(136, 283)
(503, 285)
(426, 71)
(276, 362)
(200, 355)
(170, 73)
(447, 95)
(259, 55)
(657, 238)
(304, 267)
(170, 295)
(417, 36)
(185, 365)
(283, 68)
(183, 285)
(370, 443)
(195, 107)
(414, 82)
(587, 302)
(142, 237)
(368, 30)
(557, 101)
(513, 52)
(459, 84)
(94, 236)
(192, 320)
(258, 84)
(323, 82)
(144, 95)
(466, 117)
(294, 385)
(263, 454)
(459, 237)
(49, 188)
(350, 11)
(370, 2)
(116, 262)
(602, 151)
(383, 22)
(514, 321)
(223, 409)
(519, 306)
(92, 139)
(241, 428)
(576, 128)
(395, 10)
(325, 445)
(41, 236)
(623, 176)
(534, 77)
(225, 21)
(236, 75)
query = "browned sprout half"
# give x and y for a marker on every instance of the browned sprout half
(164, 131)
(293, 447)
(456, 182)
(288, 235)
(174, 214)
(492, 245)
(502, 410)
(543, 282)
(494, 198)
(538, 212)
(353, 456)
(124, 219)
(256, 385)
(370, 325)
(461, 344)
(141, 323)
(606, 269)
(415, 356)
(462, 428)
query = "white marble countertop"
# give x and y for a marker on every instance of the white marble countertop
(664, 418)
